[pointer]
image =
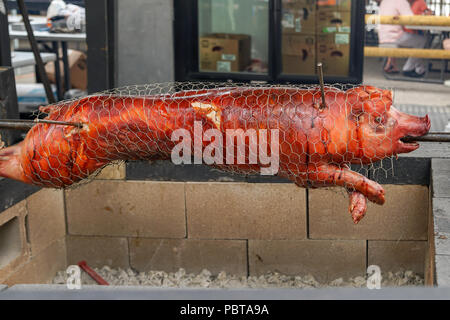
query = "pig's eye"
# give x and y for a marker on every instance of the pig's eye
(379, 120)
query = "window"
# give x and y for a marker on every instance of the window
(275, 41)
(233, 35)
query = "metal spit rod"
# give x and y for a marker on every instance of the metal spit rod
(430, 137)
(15, 124)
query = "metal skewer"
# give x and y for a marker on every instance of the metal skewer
(15, 124)
(430, 137)
(322, 85)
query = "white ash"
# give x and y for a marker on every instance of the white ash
(181, 279)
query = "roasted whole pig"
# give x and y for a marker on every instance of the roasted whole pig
(314, 146)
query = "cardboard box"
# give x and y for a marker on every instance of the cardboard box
(339, 5)
(299, 54)
(224, 52)
(333, 50)
(298, 16)
(77, 68)
(331, 21)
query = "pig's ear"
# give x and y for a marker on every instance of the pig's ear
(369, 99)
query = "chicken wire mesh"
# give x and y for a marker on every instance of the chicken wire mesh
(287, 131)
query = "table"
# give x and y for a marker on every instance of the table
(22, 59)
(15, 19)
(49, 36)
(55, 39)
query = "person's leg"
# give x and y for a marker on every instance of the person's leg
(390, 66)
(411, 40)
(390, 63)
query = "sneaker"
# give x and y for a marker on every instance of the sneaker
(413, 74)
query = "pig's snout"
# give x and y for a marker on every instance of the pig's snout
(408, 128)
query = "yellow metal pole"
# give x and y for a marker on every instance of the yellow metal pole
(407, 53)
(439, 21)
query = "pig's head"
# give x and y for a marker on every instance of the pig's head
(378, 127)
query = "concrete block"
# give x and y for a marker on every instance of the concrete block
(326, 260)
(245, 211)
(41, 268)
(193, 255)
(441, 214)
(396, 256)
(442, 243)
(440, 170)
(404, 216)
(98, 251)
(114, 171)
(14, 249)
(127, 208)
(443, 270)
(46, 221)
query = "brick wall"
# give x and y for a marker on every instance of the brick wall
(239, 226)
(243, 228)
(32, 233)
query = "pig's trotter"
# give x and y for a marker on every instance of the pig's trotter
(358, 205)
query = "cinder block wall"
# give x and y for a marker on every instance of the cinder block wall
(32, 239)
(243, 227)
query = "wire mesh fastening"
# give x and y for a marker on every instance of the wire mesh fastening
(315, 145)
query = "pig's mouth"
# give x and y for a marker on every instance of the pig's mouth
(408, 143)
(409, 139)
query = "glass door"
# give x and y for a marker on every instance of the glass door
(276, 41)
(233, 36)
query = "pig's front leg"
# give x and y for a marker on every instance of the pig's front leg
(328, 174)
